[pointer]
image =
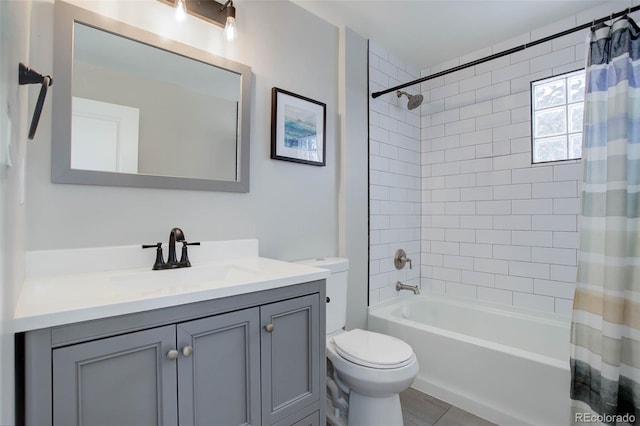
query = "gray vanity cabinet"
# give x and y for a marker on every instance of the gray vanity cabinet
(137, 378)
(218, 370)
(116, 381)
(290, 376)
(255, 359)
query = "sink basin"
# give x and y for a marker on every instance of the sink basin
(185, 276)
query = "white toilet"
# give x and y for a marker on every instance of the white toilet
(371, 369)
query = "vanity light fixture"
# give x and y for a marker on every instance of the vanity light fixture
(220, 14)
(230, 31)
(181, 11)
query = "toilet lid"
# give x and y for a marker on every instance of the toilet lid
(372, 349)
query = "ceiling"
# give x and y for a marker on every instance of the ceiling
(424, 33)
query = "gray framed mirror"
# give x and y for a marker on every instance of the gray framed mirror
(131, 108)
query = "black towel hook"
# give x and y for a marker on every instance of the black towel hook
(28, 76)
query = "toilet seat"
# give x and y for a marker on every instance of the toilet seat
(373, 350)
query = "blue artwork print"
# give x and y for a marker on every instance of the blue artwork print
(300, 129)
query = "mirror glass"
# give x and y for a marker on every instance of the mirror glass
(139, 110)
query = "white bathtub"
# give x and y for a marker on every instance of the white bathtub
(500, 363)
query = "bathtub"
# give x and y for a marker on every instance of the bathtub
(501, 363)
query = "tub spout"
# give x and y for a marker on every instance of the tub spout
(413, 288)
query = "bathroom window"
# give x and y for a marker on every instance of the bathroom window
(557, 107)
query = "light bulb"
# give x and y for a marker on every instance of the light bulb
(230, 31)
(181, 11)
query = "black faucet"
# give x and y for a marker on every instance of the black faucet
(176, 235)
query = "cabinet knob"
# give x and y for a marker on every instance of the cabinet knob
(269, 328)
(187, 351)
(172, 354)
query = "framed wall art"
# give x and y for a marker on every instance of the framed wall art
(298, 128)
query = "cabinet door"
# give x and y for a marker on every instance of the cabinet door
(290, 356)
(312, 419)
(219, 370)
(122, 380)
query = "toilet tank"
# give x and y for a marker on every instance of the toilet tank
(336, 289)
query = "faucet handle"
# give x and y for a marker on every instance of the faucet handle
(159, 257)
(184, 257)
(158, 245)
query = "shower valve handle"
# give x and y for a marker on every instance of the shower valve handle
(401, 259)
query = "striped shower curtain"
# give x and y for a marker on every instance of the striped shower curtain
(605, 330)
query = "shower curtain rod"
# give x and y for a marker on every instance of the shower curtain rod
(508, 52)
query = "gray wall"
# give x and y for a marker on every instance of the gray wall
(291, 208)
(354, 231)
(14, 121)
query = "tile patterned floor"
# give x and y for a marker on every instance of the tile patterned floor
(419, 409)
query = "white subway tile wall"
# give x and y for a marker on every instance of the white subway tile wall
(395, 161)
(498, 228)
(492, 226)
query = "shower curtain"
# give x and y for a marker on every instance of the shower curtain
(605, 329)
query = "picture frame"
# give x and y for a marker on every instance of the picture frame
(298, 128)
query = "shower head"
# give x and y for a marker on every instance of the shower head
(414, 100)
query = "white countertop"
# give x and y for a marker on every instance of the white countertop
(64, 287)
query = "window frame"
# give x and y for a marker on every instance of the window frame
(566, 106)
